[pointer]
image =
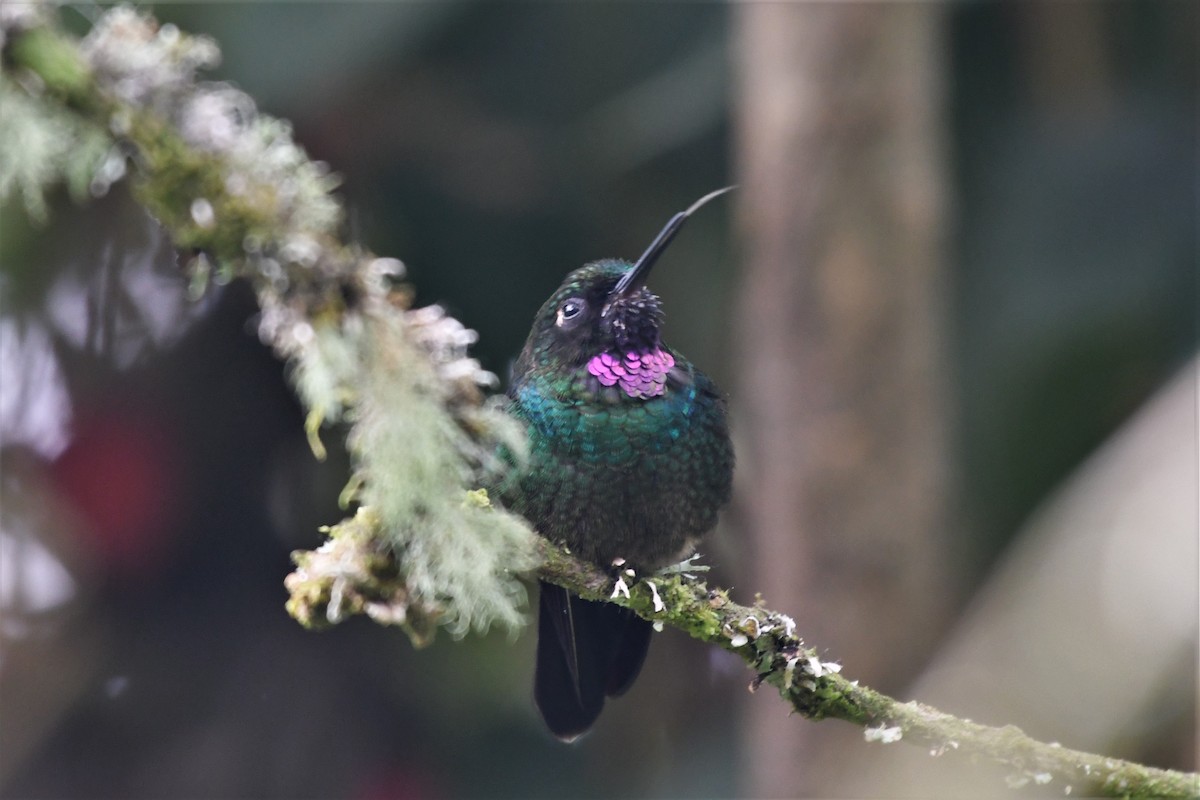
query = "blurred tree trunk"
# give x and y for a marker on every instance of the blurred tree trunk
(841, 410)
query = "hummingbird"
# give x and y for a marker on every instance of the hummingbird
(629, 462)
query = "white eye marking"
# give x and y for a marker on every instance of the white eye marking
(569, 311)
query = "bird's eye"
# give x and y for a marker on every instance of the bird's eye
(570, 310)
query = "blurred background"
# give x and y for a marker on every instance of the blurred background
(953, 303)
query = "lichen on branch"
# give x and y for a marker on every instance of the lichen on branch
(242, 200)
(769, 644)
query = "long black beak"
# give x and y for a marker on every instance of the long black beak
(637, 275)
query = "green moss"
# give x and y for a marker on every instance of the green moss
(174, 176)
(57, 61)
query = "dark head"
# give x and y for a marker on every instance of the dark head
(602, 308)
(586, 317)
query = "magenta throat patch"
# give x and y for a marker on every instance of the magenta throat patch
(641, 375)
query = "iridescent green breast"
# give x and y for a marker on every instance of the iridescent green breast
(598, 427)
(617, 476)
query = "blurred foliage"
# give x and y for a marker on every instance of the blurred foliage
(1075, 255)
(45, 146)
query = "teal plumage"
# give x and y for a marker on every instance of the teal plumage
(629, 459)
(614, 476)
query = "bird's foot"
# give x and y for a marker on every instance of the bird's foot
(621, 572)
(687, 568)
(659, 605)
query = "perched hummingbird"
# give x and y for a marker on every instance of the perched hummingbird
(629, 462)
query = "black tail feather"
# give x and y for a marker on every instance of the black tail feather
(631, 644)
(586, 651)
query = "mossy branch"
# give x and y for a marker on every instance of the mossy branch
(424, 550)
(324, 592)
(767, 641)
(242, 200)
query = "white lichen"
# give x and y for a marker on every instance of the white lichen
(789, 671)
(323, 369)
(141, 63)
(111, 169)
(422, 432)
(202, 213)
(44, 145)
(22, 16)
(337, 592)
(418, 459)
(941, 749)
(883, 734)
(215, 119)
